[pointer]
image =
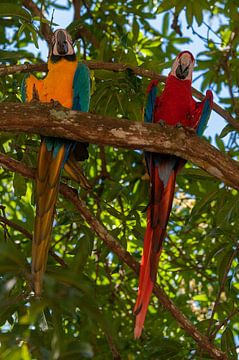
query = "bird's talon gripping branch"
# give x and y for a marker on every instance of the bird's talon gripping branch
(55, 104)
(179, 125)
(162, 123)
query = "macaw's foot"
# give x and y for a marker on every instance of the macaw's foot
(179, 125)
(55, 104)
(162, 123)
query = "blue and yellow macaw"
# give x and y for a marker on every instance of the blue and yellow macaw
(67, 82)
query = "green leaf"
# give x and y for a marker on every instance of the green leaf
(135, 30)
(201, 297)
(220, 143)
(15, 55)
(226, 130)
(224, 263)
(7, 10)
(197, 11)
(84, 250)
(19, 184)
(44, 21)
(33, 34)
(165, 26)
(189, 13)
(228, 344)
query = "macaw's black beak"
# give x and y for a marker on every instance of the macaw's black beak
(182, 71)
(62, 45)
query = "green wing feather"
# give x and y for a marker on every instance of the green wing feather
(81, 88)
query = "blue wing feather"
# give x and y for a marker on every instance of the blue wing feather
(149, 113)
(206, 111)
(23, 88)
(149, 110)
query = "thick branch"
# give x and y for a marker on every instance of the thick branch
(45, 120)
(118, 67)
(123, 255)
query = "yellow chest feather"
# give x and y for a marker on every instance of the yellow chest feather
(57, 85)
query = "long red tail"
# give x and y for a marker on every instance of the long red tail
(157, 219)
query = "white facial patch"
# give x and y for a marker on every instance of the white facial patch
(62, 44)
(185, 61)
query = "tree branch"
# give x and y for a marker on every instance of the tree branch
(45, 28)
(77, 7)
(46, 31)
(28, 235)
(123, 255)
(119, 67)
(43, 119)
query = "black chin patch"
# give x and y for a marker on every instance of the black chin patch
(55, 58)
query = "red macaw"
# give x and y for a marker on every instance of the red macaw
(174, 106)
(67, 82)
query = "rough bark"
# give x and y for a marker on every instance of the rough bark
(52, 120)
(118, 67)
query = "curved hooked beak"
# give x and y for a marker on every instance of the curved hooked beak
(182, 70)
(62, 45)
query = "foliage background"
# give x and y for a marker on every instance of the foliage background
(87, 305)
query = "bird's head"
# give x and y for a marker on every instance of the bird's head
(183, 66)
(61, 46)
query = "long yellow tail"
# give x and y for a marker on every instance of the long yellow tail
(47, 183)
(73, 168)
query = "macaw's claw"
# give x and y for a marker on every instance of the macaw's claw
(179, 125)
(55, 104)
(162, 123)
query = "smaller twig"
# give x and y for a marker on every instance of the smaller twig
(52, 18)
(175, 24)
(57, 258)
(222, 323)
(5, 231)
(211, 29)
(28, 235)
(204, 39)
(115, 353)
(88, 9)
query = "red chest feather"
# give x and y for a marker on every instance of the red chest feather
(175, 104)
